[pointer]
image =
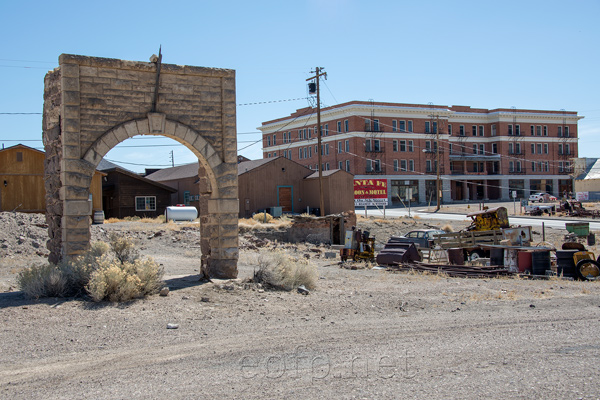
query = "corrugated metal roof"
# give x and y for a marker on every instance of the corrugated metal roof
(325, 173)
(106, 165)
(594, 171)
(170, 174)
(247, 166)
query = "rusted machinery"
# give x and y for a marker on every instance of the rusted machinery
(489, 219)
(359, 246)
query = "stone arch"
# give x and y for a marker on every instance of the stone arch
(156, 124)
(91, 104)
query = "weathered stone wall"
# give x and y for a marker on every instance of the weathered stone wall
(92, 104)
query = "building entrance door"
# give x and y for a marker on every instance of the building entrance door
(285, 198)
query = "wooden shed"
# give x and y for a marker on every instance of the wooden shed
(338, 190)
(127, 194)
(22, 181)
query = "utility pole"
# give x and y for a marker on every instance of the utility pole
(318, 73)
(437, 156)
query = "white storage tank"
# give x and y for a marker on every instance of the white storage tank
(181, 213)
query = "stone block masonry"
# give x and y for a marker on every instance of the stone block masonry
(92, 104)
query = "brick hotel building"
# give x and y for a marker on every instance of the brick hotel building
(483, 154)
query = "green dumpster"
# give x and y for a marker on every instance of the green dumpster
(578, 228)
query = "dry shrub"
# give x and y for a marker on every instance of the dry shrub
(448, 228)
(42, 281)
(158, 220)
(260, 217)
(112, 220)
(118, 275)
(281, 271)
(115, 281)
(123, 248)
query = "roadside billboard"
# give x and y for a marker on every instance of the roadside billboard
(370, 192)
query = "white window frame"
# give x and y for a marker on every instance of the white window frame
(149, 203)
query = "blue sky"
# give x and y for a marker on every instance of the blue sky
(526, 54)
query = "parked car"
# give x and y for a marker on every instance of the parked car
(541, 197)
(422, 237)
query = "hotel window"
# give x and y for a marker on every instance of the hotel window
(435, 127)
(427, 127)
(560, 148)
(395, 145)
(300, 154)
(482, 149)
(532, 148)
(545, 130)
(367, 144)
(559, 129)
(511, 166)
(339, 127)
(346, 126)
(274, 140)
(566, 131)
(268, 140)
(450, 129)
(411, 165)
(538, 130)
(394, 125)
(339, 147)
(539, 148)
(403, 145)
(518, 165)
(517, 130)
(376, 125)
(474, 130)
(511, 149)
(376, 145)
(427, 146)
(533, 166)
(560, 166)
(310, 152)
(347, 143)
(450, 149)
(410, 126)
(494, 130)
(402, 126)
(309, 133)
(428, 165)
(326, 166)
(568, 149)
(410, 146)
(461, 130)
(348, 165)
(510, 130)
(395, 165)
(326, 129)
(474, 149)
(340, 164)
(402, 165)
(494, 148)
(532, 130)
(545, 148)
(304, 151)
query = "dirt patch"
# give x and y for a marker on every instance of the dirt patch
(361, 333)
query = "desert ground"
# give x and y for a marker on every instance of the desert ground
(363, 333)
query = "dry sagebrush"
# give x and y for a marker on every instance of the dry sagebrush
(106, 272)
(281, 271)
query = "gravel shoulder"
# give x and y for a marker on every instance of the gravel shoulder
(362, 333)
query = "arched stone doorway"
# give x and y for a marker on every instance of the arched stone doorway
(92, 104)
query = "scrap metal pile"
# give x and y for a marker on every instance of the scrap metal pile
(470, 271)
